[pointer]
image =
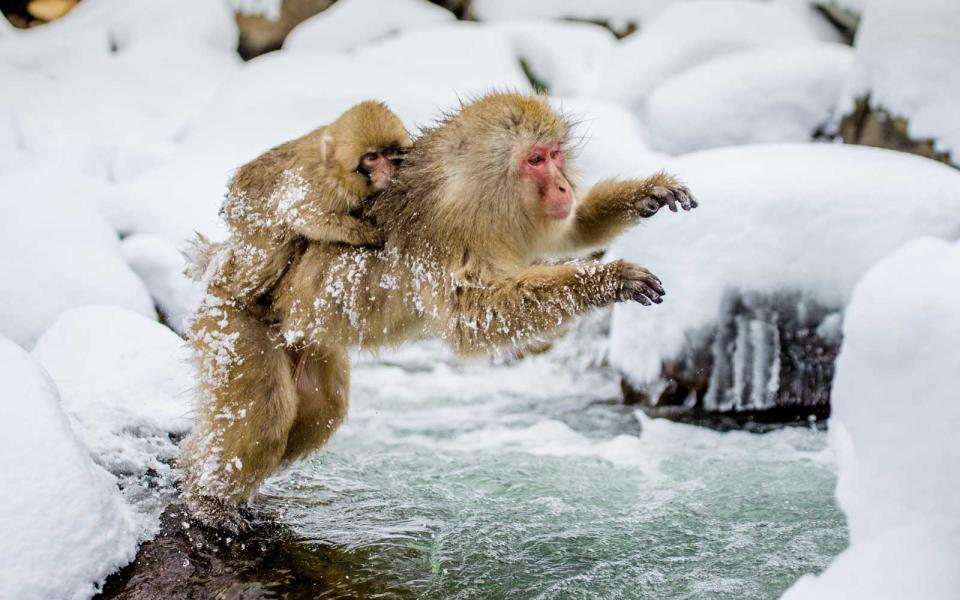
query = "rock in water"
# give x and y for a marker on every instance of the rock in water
(769, 359)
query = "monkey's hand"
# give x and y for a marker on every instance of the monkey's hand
(636, 283)
(662, 190)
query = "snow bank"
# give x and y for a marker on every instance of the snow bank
(616, 11)
(109, 87)
(689, 33)
(769, 95)
(349, 23)
(160, 264)
(906, 60)
(58, 254)
(567, 57)
(894, 426)
(63, 525)
(809, 218)
(126, 383)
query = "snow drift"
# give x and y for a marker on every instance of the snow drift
(63, 525)
(894, 429)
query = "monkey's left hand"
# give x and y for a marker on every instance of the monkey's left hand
(663, 190)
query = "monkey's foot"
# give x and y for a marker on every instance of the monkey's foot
(668, 192)
(216, 514)
(639, 285)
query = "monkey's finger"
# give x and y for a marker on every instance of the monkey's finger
(654, 284)
(672, 202)
(641, 299)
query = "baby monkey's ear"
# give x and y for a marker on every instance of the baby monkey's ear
(326, 148)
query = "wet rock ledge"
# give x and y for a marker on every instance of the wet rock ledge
(768, 361)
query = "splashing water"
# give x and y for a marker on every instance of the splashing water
(530, 480)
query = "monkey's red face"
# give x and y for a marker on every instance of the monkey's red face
(380, 166)
(543, 165)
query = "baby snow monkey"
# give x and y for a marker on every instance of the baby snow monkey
(305, 190)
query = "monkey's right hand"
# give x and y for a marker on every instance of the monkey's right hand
(637, 284)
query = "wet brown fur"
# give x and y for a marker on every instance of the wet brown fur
(304, 190)
(463, 237)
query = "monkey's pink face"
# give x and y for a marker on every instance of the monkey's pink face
(380, 167)
(543, 165)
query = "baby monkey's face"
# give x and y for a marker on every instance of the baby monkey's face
(380, 166)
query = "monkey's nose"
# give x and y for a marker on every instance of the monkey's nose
(563, 187)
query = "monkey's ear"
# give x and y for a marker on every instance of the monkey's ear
(326, 148)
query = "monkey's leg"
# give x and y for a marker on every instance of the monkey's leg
(322, 378)
(612, 206)
(248, 405)
(540, 299)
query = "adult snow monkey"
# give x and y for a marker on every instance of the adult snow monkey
(304, 190)
(478, 201)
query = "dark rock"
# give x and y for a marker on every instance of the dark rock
(188, 561)
(873, 126)
(259, 35)
(768, 361)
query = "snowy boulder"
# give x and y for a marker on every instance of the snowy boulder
(63, 525)
(106, 90)
(160, 264)
(905, 87)
(757, 276)
(690, 33)
(126, 383)
(770, 95)
(898, 479)
(565, 57)
(59, 254)
(349, 23)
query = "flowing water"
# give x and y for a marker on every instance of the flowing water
(457, 479)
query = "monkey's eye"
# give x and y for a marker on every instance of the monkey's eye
(536, 159)
(369, 157)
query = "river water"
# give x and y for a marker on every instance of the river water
(529, 479)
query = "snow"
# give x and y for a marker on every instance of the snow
(60, 254)
(617, 11)
(690, 33)
(898, 480)
(781, 94)
(63, 525)
(159, 262)
(566, 56)
(349, 23)
(126, 383)
(906, 58)
(105, 91)
(810, 218)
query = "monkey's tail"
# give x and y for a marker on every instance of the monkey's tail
(201, 256)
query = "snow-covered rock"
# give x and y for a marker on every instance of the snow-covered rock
(349, 23)
(906, 61)
(63, 525)
(615, 11)
(106, 90)
(160, 263)
(58, 254)
(894, 429)
(782, 94)
(126, 383)
(690, 33)
(807, 218)
(566, 56)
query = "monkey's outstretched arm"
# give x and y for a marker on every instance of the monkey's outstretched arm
(525, 307)
(336, 227)
(612, 206)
